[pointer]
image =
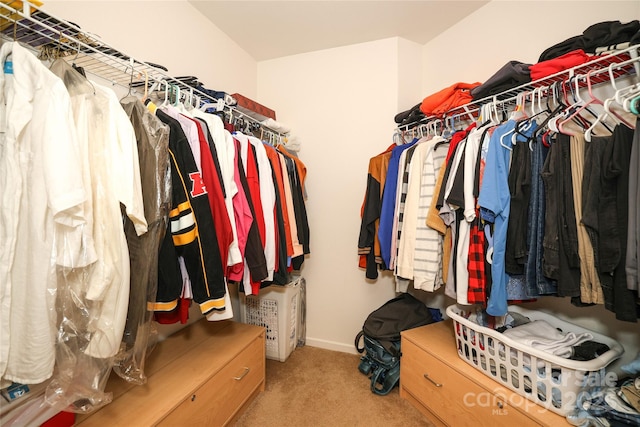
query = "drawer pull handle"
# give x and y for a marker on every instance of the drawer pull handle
(434, 383)
(244, 374)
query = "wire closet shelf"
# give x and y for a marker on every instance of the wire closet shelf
(604, 68)
(51, 37)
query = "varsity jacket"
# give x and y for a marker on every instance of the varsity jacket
(192, 233)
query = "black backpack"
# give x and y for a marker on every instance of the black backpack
(381, 337)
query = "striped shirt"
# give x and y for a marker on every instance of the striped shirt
(427, 259)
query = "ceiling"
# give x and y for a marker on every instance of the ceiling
(272, 29)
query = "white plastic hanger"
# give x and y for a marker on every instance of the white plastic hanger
(533, 101)
(494, 120)
(621, 93)
(157, 84)
(553, 123)
(188, 100)
(629, 97)
(146, 85)
(627, 90)
(519, 111)
(218, 105)
(601, 117)
(574, 109)
(166, 93)
(176, 90)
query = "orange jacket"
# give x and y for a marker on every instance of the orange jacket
(453, 96)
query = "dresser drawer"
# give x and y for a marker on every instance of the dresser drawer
(201, 360)
(217, 400)
(454, 398)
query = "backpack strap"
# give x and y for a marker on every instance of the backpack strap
(385, 387)
(374, 380)
(357, 342)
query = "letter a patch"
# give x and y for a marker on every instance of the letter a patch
(197, 188)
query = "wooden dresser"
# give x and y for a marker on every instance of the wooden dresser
(450, 392)
(203, 375)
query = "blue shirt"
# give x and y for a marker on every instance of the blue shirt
(494, 201)
(385, 230)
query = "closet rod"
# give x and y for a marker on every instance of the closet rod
(623, 62)
(52, 37)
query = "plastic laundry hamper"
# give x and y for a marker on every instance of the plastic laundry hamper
(554, 382)
(275, 308)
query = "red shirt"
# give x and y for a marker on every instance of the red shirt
(561, 63)
(221, 221)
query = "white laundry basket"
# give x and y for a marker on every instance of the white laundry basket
(276, 308)
(548, 380)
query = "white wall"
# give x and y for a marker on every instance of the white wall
(341, 104)
(170, 33)
(409, 73)
(502, 31)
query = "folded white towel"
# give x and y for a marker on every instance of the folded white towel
(541, 335)
(276, 126)
(292, 143)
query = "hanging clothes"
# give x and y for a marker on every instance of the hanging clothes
(385, 232)
(606, 214)
(404, 166)
(255, 267)
(537, 282)
(191, 231)
(410, 194)
(284, 244)
(479, 242)
(297, 174)
(114, 173)
(451, 212)
(560, 242)
(296, 240)
(152, 141)
(110, 212)
(243, 219)
(43, 194)
(120, 173)
(632, 262)
(268, 201)
(368, 240)
(225, 154)
(250, 164)
(215, 194)
(427, 261)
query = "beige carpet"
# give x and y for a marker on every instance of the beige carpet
(317, 387)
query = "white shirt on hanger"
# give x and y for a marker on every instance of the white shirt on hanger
(407, 242)
(42, 195)
(268, 199)
(429, 242)
(469, 165)
(225, 148)
(190, 130)
(115, 172)
(267, 196)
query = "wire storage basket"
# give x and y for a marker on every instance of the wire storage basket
(277, 309)
(548, 380)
